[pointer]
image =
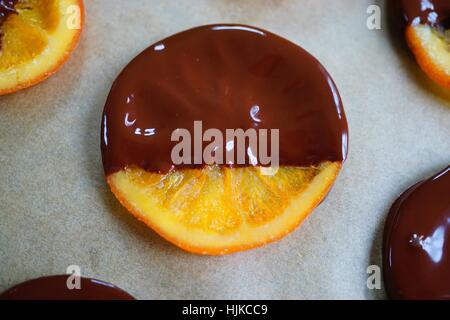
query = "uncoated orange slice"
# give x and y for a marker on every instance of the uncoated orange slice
(37, 40)
(219, 210)
(431, 48)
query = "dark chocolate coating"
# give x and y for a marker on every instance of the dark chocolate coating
(229, 77)
(432, 12)
(6, 8)
(416, 244)
(55, 288)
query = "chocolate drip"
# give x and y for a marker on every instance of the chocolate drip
(55, 288)
(229, 77)
(432, 12)
(416, 244)
(6, 8)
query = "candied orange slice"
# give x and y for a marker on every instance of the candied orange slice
(219, 210)
(431, 48)
(37, 40)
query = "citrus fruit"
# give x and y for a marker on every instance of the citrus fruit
(220, 210)
(427, 35)
(224, 90)
(37, 37)
(431, 48)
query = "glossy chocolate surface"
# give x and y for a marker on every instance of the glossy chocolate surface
(6, 8)
(416, 244)
(432, 12)
(229, 77)
(55, 288)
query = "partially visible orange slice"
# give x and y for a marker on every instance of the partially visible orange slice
(37, 41)
(218, 210)
(432, 50)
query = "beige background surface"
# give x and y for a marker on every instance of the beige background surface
(56, 210)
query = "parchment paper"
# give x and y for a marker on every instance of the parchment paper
(56, 210)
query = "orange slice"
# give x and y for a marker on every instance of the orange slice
(432, 50)
(37, 41)
(218, 210)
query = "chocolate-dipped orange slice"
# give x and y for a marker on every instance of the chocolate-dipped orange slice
(64, 287)
(416, 246)
(36, 38)
(223, 77)
(428, 37)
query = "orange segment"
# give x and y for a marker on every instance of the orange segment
(37, 41)
(253, 199)
(432, 51)
(43, 13)
(21, 37)
(218, 210)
